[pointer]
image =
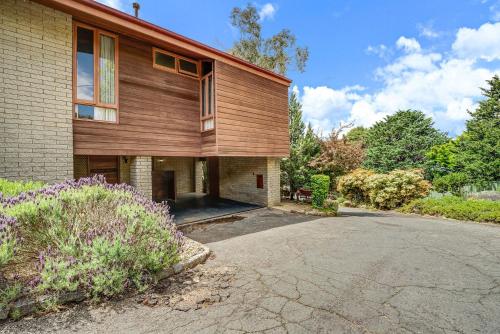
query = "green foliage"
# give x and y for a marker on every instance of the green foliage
(97, 238)
(357, 134)
(400, 141)
(14, 188)
(452, 183)
(304, 146)
(276, 53)
(478, 150)
(10, 293)
(456, 208)
(441, 159)
(389, 191)
(353, 186)
(320, 185)
(383, 191)
(331, 206)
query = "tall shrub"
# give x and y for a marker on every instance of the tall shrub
(389, 191)
(353, 185)
(320, 184)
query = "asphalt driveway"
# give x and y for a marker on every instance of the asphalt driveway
(365, 272)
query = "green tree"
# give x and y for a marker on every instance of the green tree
(295, 123)
(357, 134)
(441, 159)
(400, 141)
(478, 153)
(275, 53)
(304, 146)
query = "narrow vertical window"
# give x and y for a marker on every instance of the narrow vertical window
(85, 64)
(96, 75)
(207, 102)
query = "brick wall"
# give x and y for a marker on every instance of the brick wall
(36, 136)
(183, 168)
(140, 175)
(238, 179)
(198, 176)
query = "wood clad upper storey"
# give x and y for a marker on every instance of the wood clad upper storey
(158, 111)
(251, 114)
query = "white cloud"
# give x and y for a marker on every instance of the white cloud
(442, 85)
(380, 50)
(408, 44)
(117, 4)
(483, 43)
(267, 11)
(427, 31)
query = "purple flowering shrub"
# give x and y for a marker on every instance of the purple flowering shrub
(87, 234)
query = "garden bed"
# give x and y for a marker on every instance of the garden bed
(85, 239)
(304, 208)
(456, 208)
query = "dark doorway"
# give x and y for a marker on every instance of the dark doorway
(163, 185)
(105, 165)
(213, 176)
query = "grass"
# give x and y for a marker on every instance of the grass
(457, 208)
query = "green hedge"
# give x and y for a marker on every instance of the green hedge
(320, 184)
(456, 208)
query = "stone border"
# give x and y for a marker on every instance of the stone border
(28, 305)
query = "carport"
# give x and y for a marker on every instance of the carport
(192, 207)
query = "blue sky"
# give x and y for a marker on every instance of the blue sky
(367, 58)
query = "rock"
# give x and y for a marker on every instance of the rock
(215, 299)
(188, 282)
(23, 306)
(224, 285)
(224, 294)
(184, 307)
(150, 301)
(4, 312)
(178, 268)
(73, 296)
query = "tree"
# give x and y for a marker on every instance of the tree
(276, 53)
(295, 123)
(304, 146)
(357, 134)
(400, 141)
(441, 159)
(478, 150)
(338, 155)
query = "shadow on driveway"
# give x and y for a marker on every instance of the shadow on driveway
(253, 221)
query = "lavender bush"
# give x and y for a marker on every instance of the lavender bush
(86, 234)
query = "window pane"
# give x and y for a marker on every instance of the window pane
(209, 92)
(85, 64)
(203, 94)
(84, 111)
(187, 66)
(107, 70)
(164, 60)
(208, 124)
(105, 114)
(95, 113)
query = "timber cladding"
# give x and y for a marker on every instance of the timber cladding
(252, 114)
(159, 112)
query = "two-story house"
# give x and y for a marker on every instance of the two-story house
(87, 89)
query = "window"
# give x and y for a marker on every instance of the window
(170, 62)
(188, 67)
(207, 102)
(163, 60)
(95, 77)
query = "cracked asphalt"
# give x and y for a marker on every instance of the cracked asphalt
(363, 272)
